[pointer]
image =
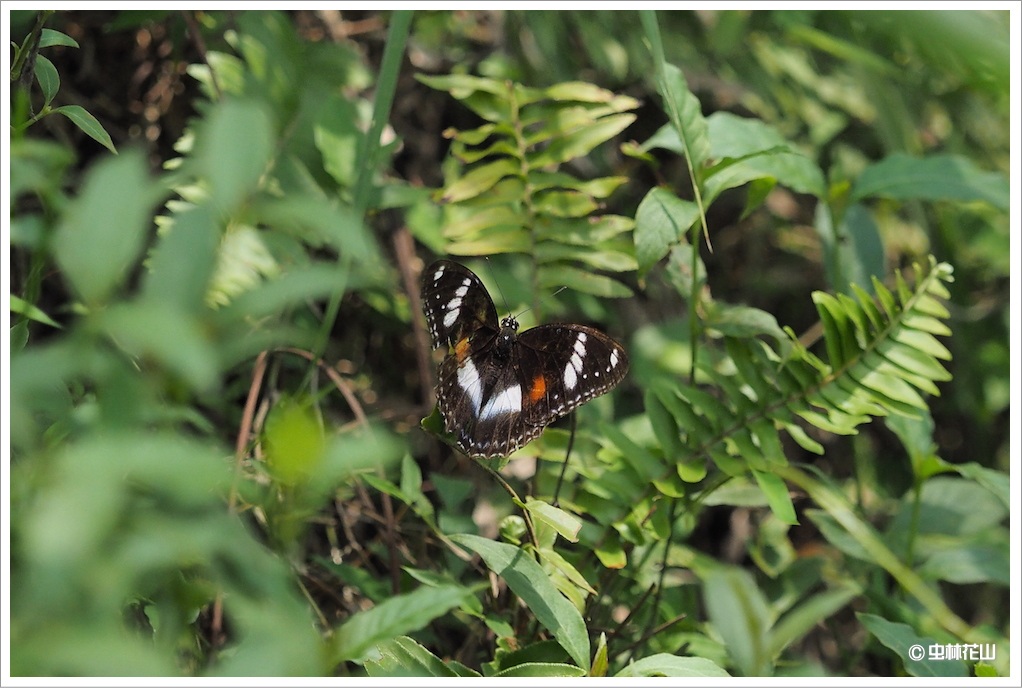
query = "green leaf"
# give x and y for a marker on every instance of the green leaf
(672, 665)
(976, 563)
(183, 259)
(528, 580)
(104, 229)
(661, 221)
(933, 178)
(49, 80)
(164, 334)
(693, 129)
(564, 203)
(541, 670)
(234, 148)
(413, 660)
(566, 525)
(777, 496)
(581, 141)
(19, 305)
(553, 276)
(738, 610)
(87, 123)
(479, 179)
(901, 638)
(401, 614)
(792, 170)
(49, 37)
(812, 611)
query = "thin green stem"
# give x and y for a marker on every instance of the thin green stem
(369, 146)
(652, 29)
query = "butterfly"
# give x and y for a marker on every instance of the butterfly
(497, 388)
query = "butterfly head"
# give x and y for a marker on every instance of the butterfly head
(507, 336)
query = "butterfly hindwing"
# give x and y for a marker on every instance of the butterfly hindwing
(498, 389)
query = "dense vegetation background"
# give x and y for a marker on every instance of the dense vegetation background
(218, 366)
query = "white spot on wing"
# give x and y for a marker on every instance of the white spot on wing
(570, 377)
(450, 317)
(468, 379)
(613, 359)
(508, 401)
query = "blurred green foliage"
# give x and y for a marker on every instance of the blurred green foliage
(166, 306)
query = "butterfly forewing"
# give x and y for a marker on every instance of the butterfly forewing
(498, 389)
(567, 365)
(456, 303)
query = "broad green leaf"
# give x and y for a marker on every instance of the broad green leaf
(693, 125)
(737, 137)
(414, 659)
(672, 665)
(836, 534)
(527, 579)
(553, 276)
(479, 179)
(163, 334)
(19, 305)
(679, 270)
(933, 178)
(975, 563)
(860, 249)
(234, 148)
(950, 506)
(901, 638)
(661, 222)
(738, 611)
(610, 553)
(182, 263)
(49, 80)
(743, 321)
(810, 612)
(49, 37)
(88, 124)
(995, 481)
(793, 170)
(664, 428)
(646, 465)
(566, 525)
(105, 227)
(317, 221)
(399, 615)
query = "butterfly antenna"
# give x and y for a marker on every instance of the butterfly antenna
(507, 306)
(545, 299)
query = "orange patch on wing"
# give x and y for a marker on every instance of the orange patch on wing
(461, 349)
(538, 388)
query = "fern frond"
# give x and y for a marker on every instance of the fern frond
(504, 195)
(883, 356)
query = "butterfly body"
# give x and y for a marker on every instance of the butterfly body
(499, 388)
